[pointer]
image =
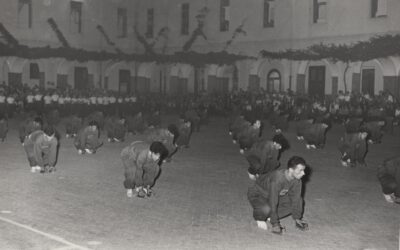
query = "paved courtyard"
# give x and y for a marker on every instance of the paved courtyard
(199, 203)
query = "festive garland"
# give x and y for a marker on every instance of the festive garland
(199, 30)
(239, 30)
(82, 55)
(10, 39)
(147, 47)
(375, 47)
(108, 40)
(59, 34)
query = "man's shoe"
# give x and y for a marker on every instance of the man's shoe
(129, 193)
(89, 151)
(262, 225)
(148, 191)
(389, 198)
(252, 177)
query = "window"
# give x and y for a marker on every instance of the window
(320, 11)
(224, 16)
(34, 72)
(269, 9)
(150, 23)
(122, 22)
(25, 13)
(76, 17)
(378, 8)
(274, 81)
(185, 19)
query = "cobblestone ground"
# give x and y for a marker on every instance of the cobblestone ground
(199, 203)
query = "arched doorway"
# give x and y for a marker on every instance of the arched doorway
(274, 81)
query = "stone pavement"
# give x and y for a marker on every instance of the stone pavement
(199, 203)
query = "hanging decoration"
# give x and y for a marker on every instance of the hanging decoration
(82, 55)
(107, 38)
(59, 34)
(10, 39)
(147, 47)
(376, 47)
(13, 48)
(162, 33)
(238, 31)
(200, 17)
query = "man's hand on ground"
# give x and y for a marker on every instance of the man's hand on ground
(301, 225)
(277, 229)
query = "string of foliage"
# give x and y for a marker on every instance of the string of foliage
(59, 34)
(81, 55)
(107, 38)
(376, 47)
(10, 39)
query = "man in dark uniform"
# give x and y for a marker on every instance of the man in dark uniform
(249, 135)
(88, 139)
(41, 149)
(3, 127)
(278, 194)
(263, 156)
(389, 178)
(30, 125)
(185, 132)
(140, 160)
(353, 148)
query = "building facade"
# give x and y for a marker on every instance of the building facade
(235, 26)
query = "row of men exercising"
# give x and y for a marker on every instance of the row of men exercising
(41, 142)
(277, 192)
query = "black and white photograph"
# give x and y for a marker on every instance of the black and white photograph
(199, 124)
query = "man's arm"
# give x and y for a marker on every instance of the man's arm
(37, 151)
(297, 200)
(53, 152)
(140, 162)
(80, 140)
(274, 201)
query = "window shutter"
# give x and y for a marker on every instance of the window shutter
(374, 7)
(315, 11)
(382, 8)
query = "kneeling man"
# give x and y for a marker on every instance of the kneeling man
(278, 194)
(140, 160)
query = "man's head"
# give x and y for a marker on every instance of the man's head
(49, 133)
(363, 133)
(296, 166)
(256, 124)
(158, 150)
(121, 120)
(187, 123)
(38, 121)
(93, 126)
(280, 142)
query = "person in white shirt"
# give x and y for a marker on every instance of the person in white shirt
(29, 101)
(3, 105)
